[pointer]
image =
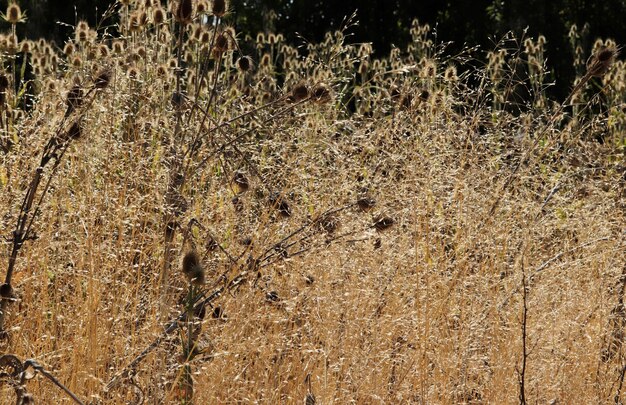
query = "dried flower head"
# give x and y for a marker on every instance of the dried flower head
(218, 8)
(244, 64)
(74, 98)
(300, 92)
(321, 93)
(13, 14)
(184, 11)
(601, 61)
(221, 43)
(158, 16)
(192, 269)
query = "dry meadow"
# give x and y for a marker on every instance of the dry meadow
(271, 223)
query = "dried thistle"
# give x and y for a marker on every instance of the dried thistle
(600, 62)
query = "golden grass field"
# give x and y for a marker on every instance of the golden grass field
(405, 229)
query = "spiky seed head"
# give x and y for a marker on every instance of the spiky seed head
(221, 43)
(25, 46)
(196, 275)
(190, 260)
(6, 291)
(77, 61)
(218, 8)
(158, 16)
(132, 72)
(265, 60)
(321, 93)
(299, 92)
(244, 64)
(202, 7)
(601, 61)
(184, 11)
(118, 47)
(14, 13)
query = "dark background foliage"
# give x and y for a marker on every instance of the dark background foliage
(386, 23)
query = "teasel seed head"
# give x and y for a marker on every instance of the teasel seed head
(300, 92)
(6, 291)
(244, 64)
(321, 93)
(184, 11)
(192, 269)
(14, 13)
(218, 8)
(190, 260)
(221, 43)
(158, 16)
(601, 61)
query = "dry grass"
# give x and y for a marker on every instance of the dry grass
(427, 311)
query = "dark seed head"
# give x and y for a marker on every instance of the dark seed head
(244, 63)
(6, 291)
(321, 93)
(219, 8)
(300, 92)
(184, 11)
(190, 260)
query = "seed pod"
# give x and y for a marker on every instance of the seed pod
(13, 14)
(601, 62)
(299, 92)
(321, 93)
(221, 43)
(244, 63)
(184, 11)
(192, 269)
(218, 8)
